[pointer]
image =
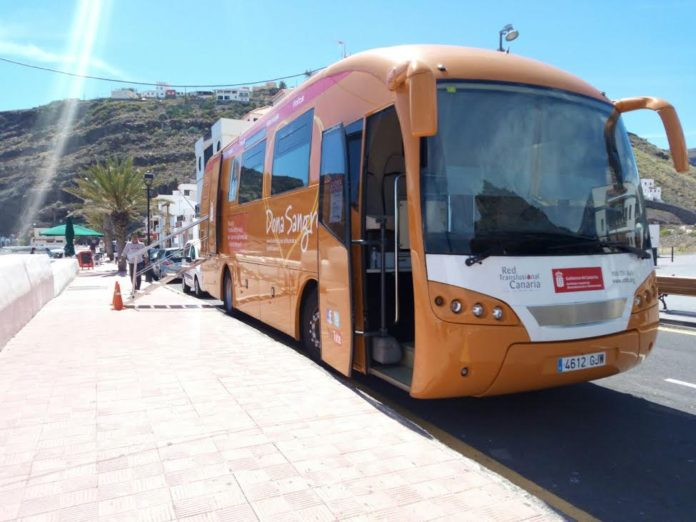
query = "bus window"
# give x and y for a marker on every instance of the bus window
(354, 134)
(251, 178)
(234, 180)
(332, 176)
(291, 154)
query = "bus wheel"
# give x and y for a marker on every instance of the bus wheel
(227, 295)
(311, 331)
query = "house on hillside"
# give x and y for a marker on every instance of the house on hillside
(241, 94)
(256, 114)
(161, 89)
(204, 95)
(125, 94)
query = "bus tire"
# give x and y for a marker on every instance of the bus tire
(227, 292)
(311, 330)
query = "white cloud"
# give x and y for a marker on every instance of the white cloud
(37, 54)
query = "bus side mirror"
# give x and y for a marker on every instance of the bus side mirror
(423, 103)
(422, 95)
(670, 120)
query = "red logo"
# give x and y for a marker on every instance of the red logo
(577, 279)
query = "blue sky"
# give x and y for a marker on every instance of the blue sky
(625, 48)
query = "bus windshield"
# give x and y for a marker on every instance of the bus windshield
(517, 170)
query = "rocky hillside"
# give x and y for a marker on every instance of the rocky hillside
(159, 135)
(653, 162)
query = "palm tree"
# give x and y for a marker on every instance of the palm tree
(114, 189)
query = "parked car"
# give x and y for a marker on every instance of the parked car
(192, 279)
(165, 261)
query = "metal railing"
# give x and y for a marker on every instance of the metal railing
(675, 285)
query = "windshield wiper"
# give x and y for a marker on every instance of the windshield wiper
(516, 238)
(478, 258)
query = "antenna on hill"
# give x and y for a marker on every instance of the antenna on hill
(343, 45)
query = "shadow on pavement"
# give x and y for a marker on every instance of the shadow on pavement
(613, 455)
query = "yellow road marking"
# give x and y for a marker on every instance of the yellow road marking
(675, 330)
(472, 453)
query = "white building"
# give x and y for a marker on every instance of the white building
(650, 190)
(256, 114)
(161, 89)
(175, 210)
(148, 94)
(222, 132)
(240, 94)
(124, 94)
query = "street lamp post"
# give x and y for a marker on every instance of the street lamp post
(509, 32)
(149, 177)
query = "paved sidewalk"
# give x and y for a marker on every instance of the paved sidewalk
(166, 414)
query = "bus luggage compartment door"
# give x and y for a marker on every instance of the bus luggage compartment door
(333, 231)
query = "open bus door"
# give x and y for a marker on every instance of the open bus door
(213, 173)
(334, 239)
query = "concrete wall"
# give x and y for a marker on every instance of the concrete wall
(27, 283)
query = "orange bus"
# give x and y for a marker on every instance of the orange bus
(452, 220)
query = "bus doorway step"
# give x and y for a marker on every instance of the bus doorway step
(397, 375)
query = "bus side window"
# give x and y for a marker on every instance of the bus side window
(354, 136)
(291, 154)
(234, 180)
(251, 176)
(333, 183)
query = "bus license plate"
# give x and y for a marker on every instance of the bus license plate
(581, 362)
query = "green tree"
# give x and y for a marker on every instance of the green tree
(114, 189)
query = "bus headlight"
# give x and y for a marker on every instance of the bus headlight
(477, 309)
(497, 313)
(456, 306)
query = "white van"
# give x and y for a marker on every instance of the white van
(192, 279)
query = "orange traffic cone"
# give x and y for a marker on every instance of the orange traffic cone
(117, 302)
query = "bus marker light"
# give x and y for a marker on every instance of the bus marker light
(439, 301)
(464, 372)
(477, 309)
(497, 313)
(637, 300)
(456, 306)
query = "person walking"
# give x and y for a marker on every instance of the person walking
(135, 262)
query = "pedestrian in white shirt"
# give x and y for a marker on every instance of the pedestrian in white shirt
(135, 262)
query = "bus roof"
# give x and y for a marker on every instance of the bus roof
(446, 62)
